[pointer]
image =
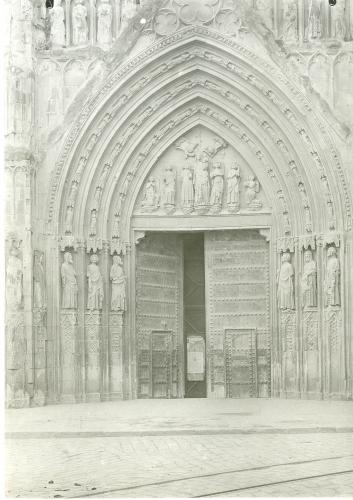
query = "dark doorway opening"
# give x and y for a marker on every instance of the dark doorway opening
(194, 316)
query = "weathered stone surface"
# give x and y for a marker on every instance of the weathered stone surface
(172, 117)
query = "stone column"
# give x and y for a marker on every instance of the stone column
(68, 324)
(105, 342)
(93, 321)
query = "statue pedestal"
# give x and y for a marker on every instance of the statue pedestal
(93, 370)
(40, 356)
(116, 322)
(290, 359)
(68, 324)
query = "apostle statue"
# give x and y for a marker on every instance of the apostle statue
(95, 285)
(118, 279)
(169, 188)
(187, 189)
(285, 290)
(308, 281)
(39, 293)
(233, 181)
(104, 29)
(314, 20)
(252, 186)
(79, 23)
(69, 283)
(202, 182)
(217, 186)
(57, 30)
(338, 21)
(151, 198)
(14, 279)
(332, 279)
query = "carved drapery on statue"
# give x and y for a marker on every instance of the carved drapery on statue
(69, 283)
(95, 285)
(309, 281)
(79, 23)
(39, 288)
(118, 279)
(285, 286)
(104, 29)
(332, 278)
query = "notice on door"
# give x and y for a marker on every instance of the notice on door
(195, 358)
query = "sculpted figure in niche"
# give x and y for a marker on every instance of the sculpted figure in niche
(95, 285)
(314, 20)
(93, 223)
(202, 182)
(332, 279)
(14, 279)
(308, 281)
(79, 23)
(73, 193)
(57, 24)
(104, 30)
(169, 188)
(68, 219)
(252, 188)
(187, 189)
(285, 290)
(39, 294)
(116, 227)
(338, 21)
(217, 186)
(290, 23)
(97, 198)
(69, 283)
(151, 199)
(233, 181)
(118, 279)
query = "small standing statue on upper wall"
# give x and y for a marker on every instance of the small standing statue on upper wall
(104, 29)
(118, 279)
(95, 285)
(57, 20)
(252, 188)
(79, 23)
(290, 23)
(217, 186)
(285, 291)
(308, 281)
(332, 279)
(233, 184)
(39, 295)
(338, 21)
(314, 20)
(69, 282)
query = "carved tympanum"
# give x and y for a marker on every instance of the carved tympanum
(118, 279)
(309, 281)
(285, 290)
(69, 283)
(95, 285)
(332, 279)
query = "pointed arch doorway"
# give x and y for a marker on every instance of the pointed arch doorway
(202, 323)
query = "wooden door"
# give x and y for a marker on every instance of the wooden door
(159, 309)
(237, 314)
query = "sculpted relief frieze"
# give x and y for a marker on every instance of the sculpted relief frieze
(201, 174)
